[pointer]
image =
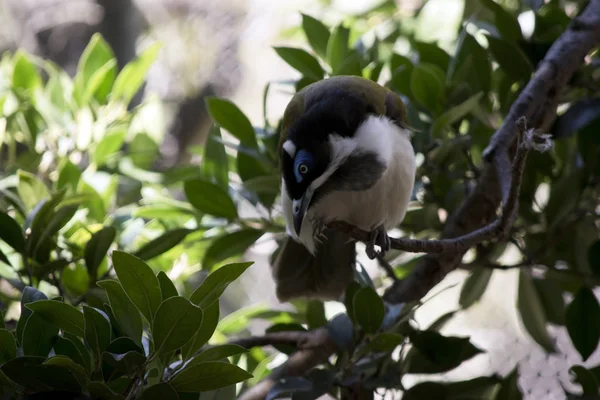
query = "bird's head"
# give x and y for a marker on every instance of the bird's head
(321, 148)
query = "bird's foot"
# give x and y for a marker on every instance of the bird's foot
(380, 238)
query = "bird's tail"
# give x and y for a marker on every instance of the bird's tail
(324, 276)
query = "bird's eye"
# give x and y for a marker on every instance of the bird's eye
(303, 169)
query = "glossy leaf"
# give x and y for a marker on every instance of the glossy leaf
(68, 176)
(231, 118)
(176, 322)
(349, 293)
(455, 114)
(511, 59)
(31, 189)
(210, 198)
(532, 312)
(215, 164)
(385, 341)
(11, 232)
(162, 390)
(369, 310)
(162, 244)
(139, 282)
(210, 321)
(97, 330)
(167, 288)
(67, 348)
(594, 257)
(108, 147)
(507, 24)
(39, 335)
(427, 86)
(208, 376)
(583, 322)
(337, 46)
(436, 353)
(8, 346)
(29, 295)
(217, 353)
(126, 314)
(315, 314)
(131, 78)
(229, 245)
(96, 249)
(316, 33)
(64, 316)
(25, 74)
(474, 286)
(216, 282)
(96, 54)
(302, 61)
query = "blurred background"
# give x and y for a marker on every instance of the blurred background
(225, 48)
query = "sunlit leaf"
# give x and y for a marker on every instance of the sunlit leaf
(210, 198)
(208, 376)
(176, 322)
(216, 282)
(302, 61)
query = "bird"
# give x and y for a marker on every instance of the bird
(345, 154)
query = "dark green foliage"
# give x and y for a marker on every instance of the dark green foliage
(90, 241)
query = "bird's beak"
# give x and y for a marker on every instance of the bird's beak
(299, 207)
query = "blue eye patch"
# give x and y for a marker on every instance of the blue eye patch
(302, 164)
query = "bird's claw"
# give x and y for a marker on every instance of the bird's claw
(380, 238)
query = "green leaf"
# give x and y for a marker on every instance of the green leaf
(301, 61)
(593, 256)
(208, 376)
(349, 293)
(8, 346)
(586, 379)
(29, 295)
(31, 189)
(427, 86)
(583, 322)
(11, 232)
(122, 364)
(162, 391)
(176, 322)
(25, 74)
(210, 199)
(215, 164)
(108, 147)
(68, 176)
(101, 391)
(162, 244)
(507, 24)
(471, 65)
(38, 335)
(61, 365)
(229, 245)
(97, 330)
(216, 282)
(96, 249)
(126, 314)
(19, 371)
(209, 324)
(350, 66)
(315, 314)
(316, 33)
(551, 296)
(96, 54)
(139, 282)
(510, 58)
(131, 78)
(510, 387)
(474, 286)
(337, 46)
(67, 348)
(232, 119)
(63, 315)
(167, 288)
(455, 114)
(100, 82)
(432, 54)
(81, 348)
(532, 312)
(385, 342)
(435, 353)
(369, 309)
(217, 353)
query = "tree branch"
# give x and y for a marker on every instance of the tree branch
(475, 220)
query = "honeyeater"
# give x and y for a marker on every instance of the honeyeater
(345, 155)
